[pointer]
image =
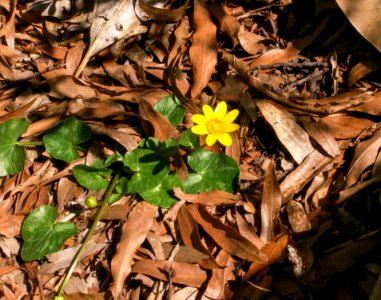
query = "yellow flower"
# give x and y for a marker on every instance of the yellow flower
(216, 124)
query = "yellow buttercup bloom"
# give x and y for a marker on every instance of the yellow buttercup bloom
(216, 124)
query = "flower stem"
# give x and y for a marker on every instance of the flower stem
(80, 252)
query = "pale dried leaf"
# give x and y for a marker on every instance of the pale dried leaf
(271, 202)
(203, 52)
(290, 134)
(297, 217)
(364, 16)
(322, 134)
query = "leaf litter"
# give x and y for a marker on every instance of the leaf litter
(300, 220)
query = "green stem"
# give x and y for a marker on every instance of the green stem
(80, 252)
(30, 144)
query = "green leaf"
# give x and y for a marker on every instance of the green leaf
(92, 177)
(152, 179)
(41, 236)
(165, 149)
(213, 171)
(12, 156)
(121, 189)
(171, 108)
(189, 139)
(162, 194)
(61, 141)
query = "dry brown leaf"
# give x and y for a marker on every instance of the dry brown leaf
(74, 56)
(162, 127)
(134, 232)
(365, 155)
(228, 24)
(163, 14)
(297, 217)
(290, 134)
(69, 87)
(203, 52)
(225, 236)
(273, 250)
(277, 56)
(271, 202)
(187, 274)
(191, 237)
(123, 138)
(10, 224)
(372, 105)
(251, 42)
(322, 134)
(208, 198)
(220, 277)
(184, 254)
(65, 192)
(95, 109)
(305, 172)
(346, 127)
(364, 16)
(248, 231)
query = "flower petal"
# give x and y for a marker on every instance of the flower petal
(221, 110)
(225, 139)
(208, 112)
(199, 119)
(231, 127)
(200, 129)
(211, 139)
(230, 117)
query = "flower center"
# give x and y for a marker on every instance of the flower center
(215, 127)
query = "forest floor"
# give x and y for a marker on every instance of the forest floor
(98, 105)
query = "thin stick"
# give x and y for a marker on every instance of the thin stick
(80, 252)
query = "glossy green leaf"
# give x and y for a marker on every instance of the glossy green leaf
(165, 149)
(189, 139)
(41, 236)
(92, 177)
(12, 156)
(121, 189)
(171, 108)
(213, 171)
(61, 141)
(162, 194)
(152, 179)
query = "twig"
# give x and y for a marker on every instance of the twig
(80, 252)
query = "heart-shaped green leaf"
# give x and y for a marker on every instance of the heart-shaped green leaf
(214, 171)
(12, 156)
(171, 108)
(152, 179)
(92, 178)
(61, 141)
(189, 139)
(41, 236)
